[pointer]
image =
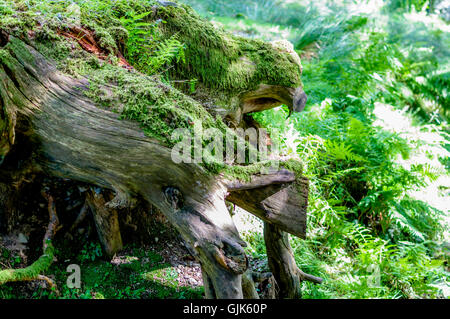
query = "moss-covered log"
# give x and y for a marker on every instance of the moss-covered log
(110, 125)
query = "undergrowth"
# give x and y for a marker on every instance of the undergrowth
(373, 139)
(136, 273)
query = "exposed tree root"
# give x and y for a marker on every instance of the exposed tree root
(248, 286)
(33, 272)
(282, 264)
(107, 223)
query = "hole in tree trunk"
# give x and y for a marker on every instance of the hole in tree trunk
(264, 101)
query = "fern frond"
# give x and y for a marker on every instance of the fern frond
(167, 51)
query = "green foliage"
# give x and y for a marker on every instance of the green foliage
(361, 207)
(145, 49)
(134, 274)
(90, 252)
(406, 5)
(371, 231)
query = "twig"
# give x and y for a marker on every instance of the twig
(81, 216)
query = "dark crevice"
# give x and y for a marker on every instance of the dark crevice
(11, 75)
(4, 38)
(265, 101)
(2, 107)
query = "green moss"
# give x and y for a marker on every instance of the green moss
(159, 108)
(32, 271)
(224, 64)
(224, 61)
(245, 172)
(218, 59)
(293, 165)
(4, 54)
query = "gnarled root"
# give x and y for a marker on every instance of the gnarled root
(33, 272)
(282, 263)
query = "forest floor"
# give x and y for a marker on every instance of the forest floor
(162, 270)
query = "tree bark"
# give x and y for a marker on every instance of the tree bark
(282, 204)
(72, 138)
(107, 223)
(282, 263)
(248, 286)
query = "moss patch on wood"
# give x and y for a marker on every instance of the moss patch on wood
(225, 61)
(224, 64)
(32, 271)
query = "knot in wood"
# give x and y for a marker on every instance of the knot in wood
(174, 197)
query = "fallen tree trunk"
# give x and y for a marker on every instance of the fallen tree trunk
(75, 139)
(70, 136)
